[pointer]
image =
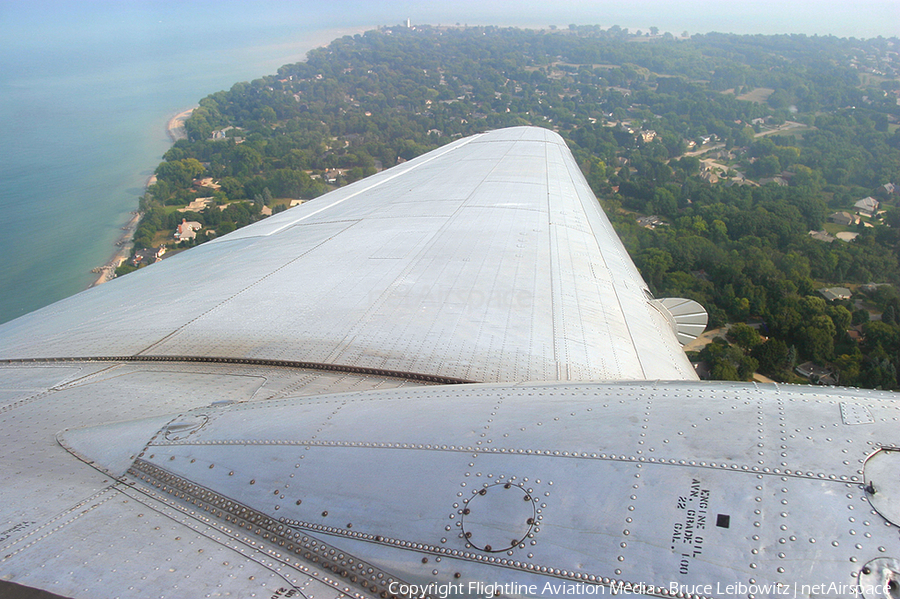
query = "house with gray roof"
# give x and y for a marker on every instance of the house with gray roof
(842, 218)
(833, 293)
(867, 206)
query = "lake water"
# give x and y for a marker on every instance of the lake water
(87, 87)
(86, 90)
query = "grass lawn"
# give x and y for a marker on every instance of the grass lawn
(834, 228)
(164, 236)
(758, 95)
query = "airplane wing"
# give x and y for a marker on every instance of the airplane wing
(486, 260)
(439, 381)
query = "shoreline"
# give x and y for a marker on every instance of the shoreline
(108, 271)
(175, 130)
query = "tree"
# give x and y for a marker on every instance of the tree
(725, 371)
(654, 263)
(881, 336)
(840, 316)
(792, 356)
(816, 344)
(267, 115)
(807, 179)
(232, 188)
(768, 166)
(179, 173)
(879, 373)
(664, 202)
(727, 362)
(245, 160)
(773, 358)
(849, 367)
(225, 227)
(744, 336)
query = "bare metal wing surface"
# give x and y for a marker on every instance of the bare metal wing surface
(288, 412)
(486, 260)
(539, 489)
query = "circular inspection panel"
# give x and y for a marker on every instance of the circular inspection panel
(184, 426)
(498, 517)
(882, 474)
(880, 579)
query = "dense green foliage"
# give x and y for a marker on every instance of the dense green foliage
(629, 106)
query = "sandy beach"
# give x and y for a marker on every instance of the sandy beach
(175, 127)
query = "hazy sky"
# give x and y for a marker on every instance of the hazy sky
(844, 18)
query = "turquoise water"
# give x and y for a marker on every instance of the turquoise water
(86, 88)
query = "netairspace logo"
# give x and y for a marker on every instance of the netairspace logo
(559, 589)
